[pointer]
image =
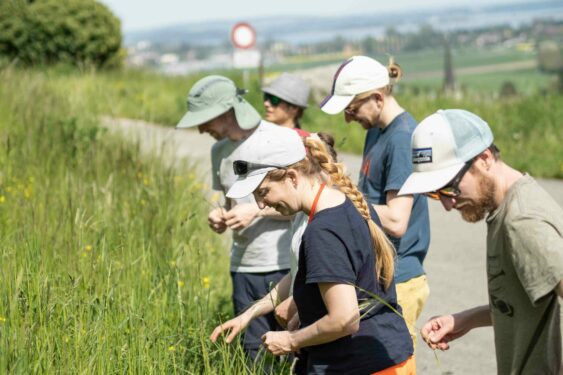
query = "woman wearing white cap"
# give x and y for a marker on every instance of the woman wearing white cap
(344, 260)
(285, 101)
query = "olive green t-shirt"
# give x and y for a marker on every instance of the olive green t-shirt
(524, 265)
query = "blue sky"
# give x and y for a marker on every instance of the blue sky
(146, 14)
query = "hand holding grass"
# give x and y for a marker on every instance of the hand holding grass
(278, 343)
(216, 220)
(241, 215)
(285, 311)
(233, 327)
(440, 330)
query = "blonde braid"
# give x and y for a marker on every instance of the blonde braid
(384, 251)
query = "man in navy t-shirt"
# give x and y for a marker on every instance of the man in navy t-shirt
(362, 89)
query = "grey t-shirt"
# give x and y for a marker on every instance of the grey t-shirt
(264, 245)
(524, 265)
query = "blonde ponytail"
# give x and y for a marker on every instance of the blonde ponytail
(384, 252)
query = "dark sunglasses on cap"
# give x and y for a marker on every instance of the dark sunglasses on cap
(451, 190)
(242, 167)
(274, 100)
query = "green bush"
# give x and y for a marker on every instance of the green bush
(76, 32)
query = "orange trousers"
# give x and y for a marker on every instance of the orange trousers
(407, 367)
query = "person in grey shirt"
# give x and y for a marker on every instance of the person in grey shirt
(261, 241)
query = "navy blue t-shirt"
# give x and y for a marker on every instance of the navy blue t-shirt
(336, 248)
(386, 166)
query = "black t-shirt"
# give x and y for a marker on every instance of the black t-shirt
(337, 248)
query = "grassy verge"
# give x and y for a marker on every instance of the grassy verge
(107, 264)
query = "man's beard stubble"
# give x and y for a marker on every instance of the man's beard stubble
(476, 210)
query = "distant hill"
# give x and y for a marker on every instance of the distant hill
(304, 29)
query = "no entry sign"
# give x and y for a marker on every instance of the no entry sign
(243, 36)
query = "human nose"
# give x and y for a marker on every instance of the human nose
(447, 202)
(259, 201)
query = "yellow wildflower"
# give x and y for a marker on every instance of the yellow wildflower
(2, 319)
(215, 197)
(88, 248)
(180, 283)
(2, 199)
(27, 192)
(146, 182)
(172, 348)
(206, 282)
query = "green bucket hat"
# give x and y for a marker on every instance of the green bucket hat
(214, 95)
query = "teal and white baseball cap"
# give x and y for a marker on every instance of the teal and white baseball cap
(214, 95)
(441, 145)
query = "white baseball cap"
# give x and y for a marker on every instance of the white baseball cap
(269, 147)
(441, 145)
(355, 76)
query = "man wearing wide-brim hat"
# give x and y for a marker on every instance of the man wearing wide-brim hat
(260, 248)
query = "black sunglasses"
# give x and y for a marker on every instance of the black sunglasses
(242, 167)
(274, 100)
(451, 190)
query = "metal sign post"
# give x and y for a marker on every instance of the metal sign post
(245, 55)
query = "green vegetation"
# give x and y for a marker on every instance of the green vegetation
(526, 127)
(75, 32)
(107, 262)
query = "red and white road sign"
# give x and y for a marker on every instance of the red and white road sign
(243, 35)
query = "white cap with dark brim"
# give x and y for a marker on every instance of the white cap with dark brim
(356, 75)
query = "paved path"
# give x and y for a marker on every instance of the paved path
(455, 263)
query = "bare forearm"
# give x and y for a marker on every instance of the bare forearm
(272, 214)
(474, 318)
(324, 330)
(395, 214)
(268, 303)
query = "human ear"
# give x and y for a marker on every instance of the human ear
(293, 177)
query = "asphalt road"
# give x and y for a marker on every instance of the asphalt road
(455, 264)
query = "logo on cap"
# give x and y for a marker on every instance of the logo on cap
(422, 155)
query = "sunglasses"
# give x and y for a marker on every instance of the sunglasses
(451, 190)
(274, 100)
(243, 168)
(352, 109)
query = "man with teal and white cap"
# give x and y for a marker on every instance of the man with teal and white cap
(260, 249)
(455, 161)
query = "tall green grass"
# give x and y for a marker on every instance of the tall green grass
(107, 263)
(526, 127)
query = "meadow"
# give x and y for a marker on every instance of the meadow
(527, 126)
(106, 259)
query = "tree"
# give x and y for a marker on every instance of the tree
(77, 32)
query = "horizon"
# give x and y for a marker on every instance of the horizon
(136, 17)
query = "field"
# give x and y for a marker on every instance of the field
(527, 126)
(107, 262)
